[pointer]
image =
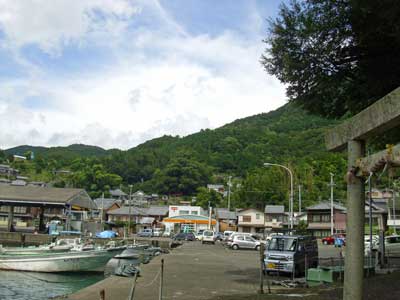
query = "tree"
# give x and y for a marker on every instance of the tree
(182, 175)
(336, 56)
(205, 197)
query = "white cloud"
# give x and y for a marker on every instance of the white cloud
(54, 24)
(159, 82)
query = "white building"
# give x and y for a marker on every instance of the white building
(180, 210)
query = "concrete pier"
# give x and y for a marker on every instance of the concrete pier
(192, 271)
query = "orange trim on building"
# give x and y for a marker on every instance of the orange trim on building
(213, 222)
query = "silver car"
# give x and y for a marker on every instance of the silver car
(243, 241)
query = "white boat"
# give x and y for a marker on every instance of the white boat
(34, 250)
(82, 261)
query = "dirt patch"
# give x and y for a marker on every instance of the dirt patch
(382, 287)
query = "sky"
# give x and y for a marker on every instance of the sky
(115, 73)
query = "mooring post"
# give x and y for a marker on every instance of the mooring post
(102, 294)
(354, 260)
(160, 296)
(261, 290)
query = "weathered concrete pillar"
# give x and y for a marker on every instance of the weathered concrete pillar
(10, 218)
(354, 260)
(41, 220)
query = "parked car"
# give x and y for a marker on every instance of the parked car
(243, 241)
(183, 236)
(199, 234)
(219, 236)
(146, 233)
(158, 232)
(227, 234)
(289, 254)
(208, 237)
(328, 240)
(338, 240)
(392, 245)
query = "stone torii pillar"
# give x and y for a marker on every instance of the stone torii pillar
(376, 119)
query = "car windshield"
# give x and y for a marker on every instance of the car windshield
(282, 244)
(208, 233)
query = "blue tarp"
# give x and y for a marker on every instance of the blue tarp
(106, 234)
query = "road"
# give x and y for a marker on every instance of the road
(192, 271)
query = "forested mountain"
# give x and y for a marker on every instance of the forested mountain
(69, 152)
(181, 165)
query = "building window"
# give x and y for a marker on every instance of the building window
(183, 212)
(325, 218)
(246, 218)
(316, 218)
(195, 212)
(20, 209)
(257, 216)
(246, 229)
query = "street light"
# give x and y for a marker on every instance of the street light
(291, 190)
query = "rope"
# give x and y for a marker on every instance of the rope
(154, 279)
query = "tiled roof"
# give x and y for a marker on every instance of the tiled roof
(325, 205)
(274, 209)
(33, 194)
(223, 213)
(105, 203)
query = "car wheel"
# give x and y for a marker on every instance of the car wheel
(325, 242)
(235, 247)
(257, 248)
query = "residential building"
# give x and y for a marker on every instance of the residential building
(143, 217)
(226, 220)
(104, 205)
(251, 220)
(31, 206)
(219, 188)
(319, 218)
(274, 217)
(118, 194)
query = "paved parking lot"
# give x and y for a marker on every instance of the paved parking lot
(192, 271)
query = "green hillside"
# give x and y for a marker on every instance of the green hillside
(66, 153)
(182, 165)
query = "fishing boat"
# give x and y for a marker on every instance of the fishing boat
(79, 261)
(34, 250)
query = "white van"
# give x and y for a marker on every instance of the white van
(208, 237)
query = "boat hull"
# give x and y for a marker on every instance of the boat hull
(86, 261)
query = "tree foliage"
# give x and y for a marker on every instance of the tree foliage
(336, 56)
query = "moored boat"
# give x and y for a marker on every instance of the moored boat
(34, 250)
(83, 261)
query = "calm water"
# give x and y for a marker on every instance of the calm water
(39, 286)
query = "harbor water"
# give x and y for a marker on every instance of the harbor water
(40, 286)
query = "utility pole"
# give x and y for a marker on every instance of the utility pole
(229, 193)
(299, 199)
(102, 211)
(130, 204)
(394, 210)
(209, 215)
(332, 184)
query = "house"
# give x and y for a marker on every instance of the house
(319, 218)
(226, 220)
(219, 188)
(143, 217)
(29, 206)
(251, 220)
(104, 205)
(7, 170)
(275, 216)
(118, 194)
(386, 208)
